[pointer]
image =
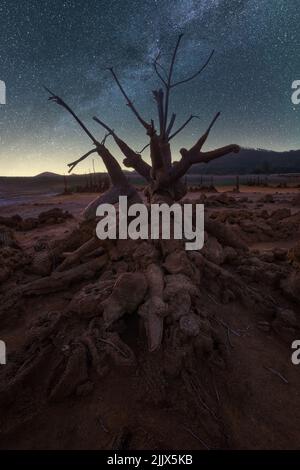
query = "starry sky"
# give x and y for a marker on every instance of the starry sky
(68, 45)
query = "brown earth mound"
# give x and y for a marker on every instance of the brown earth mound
(52, 216)
(141, 344)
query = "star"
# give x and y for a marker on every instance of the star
(68, 45)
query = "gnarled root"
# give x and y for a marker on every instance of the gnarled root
(62, 280)
(74, 374)
(128, 293)
(154, 309)
(77, 255)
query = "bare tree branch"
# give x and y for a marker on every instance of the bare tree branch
(192, 116)
(144, 148)
(159, 98)
(200, 142)
(155, 154)
(195, 74)
(171, 123)
(61, 102)
(73, 164)
(112, 197)
(181, 168)
(213, 122)
(129, 102)
(162, 176)
(194, 154)
(162, 68)
(114, 169)
(165, 132)
(206, 157)
(109, 129)
(105, 137)
(168, 85)
(132, 159)
(156, 65)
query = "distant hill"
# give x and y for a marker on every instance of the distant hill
(252, 161)
(47, 174)
(248, 161)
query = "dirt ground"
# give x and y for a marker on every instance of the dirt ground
(243, 393)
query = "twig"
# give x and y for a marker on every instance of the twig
(171, 123)
(100, 421)
(56, 99)
(73, 164)
(169, 84)
(183, 126)
(216, 391)
(105, 137)
(228, 336)
(201, 400)
(195, 74)
(157, 64)
(129, 102)
(113, 345)
(275, 372)
(212, 298)
(221, 322)
(109, 129)
(144, 148)
(196, 437)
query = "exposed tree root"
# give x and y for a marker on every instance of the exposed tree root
(162, 288)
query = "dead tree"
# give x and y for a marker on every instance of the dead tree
(164, 177)
(173, 293)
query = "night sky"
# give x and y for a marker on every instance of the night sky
(68, 45)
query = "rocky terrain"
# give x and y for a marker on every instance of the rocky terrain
(143, 345)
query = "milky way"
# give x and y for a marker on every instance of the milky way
(68, 45)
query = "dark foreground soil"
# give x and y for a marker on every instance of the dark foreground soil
(147, 346)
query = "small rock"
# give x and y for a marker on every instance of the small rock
(288, 317)
(178, 262)
(189, 324)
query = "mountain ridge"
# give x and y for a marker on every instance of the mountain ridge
(252, 161)
(247, 161)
